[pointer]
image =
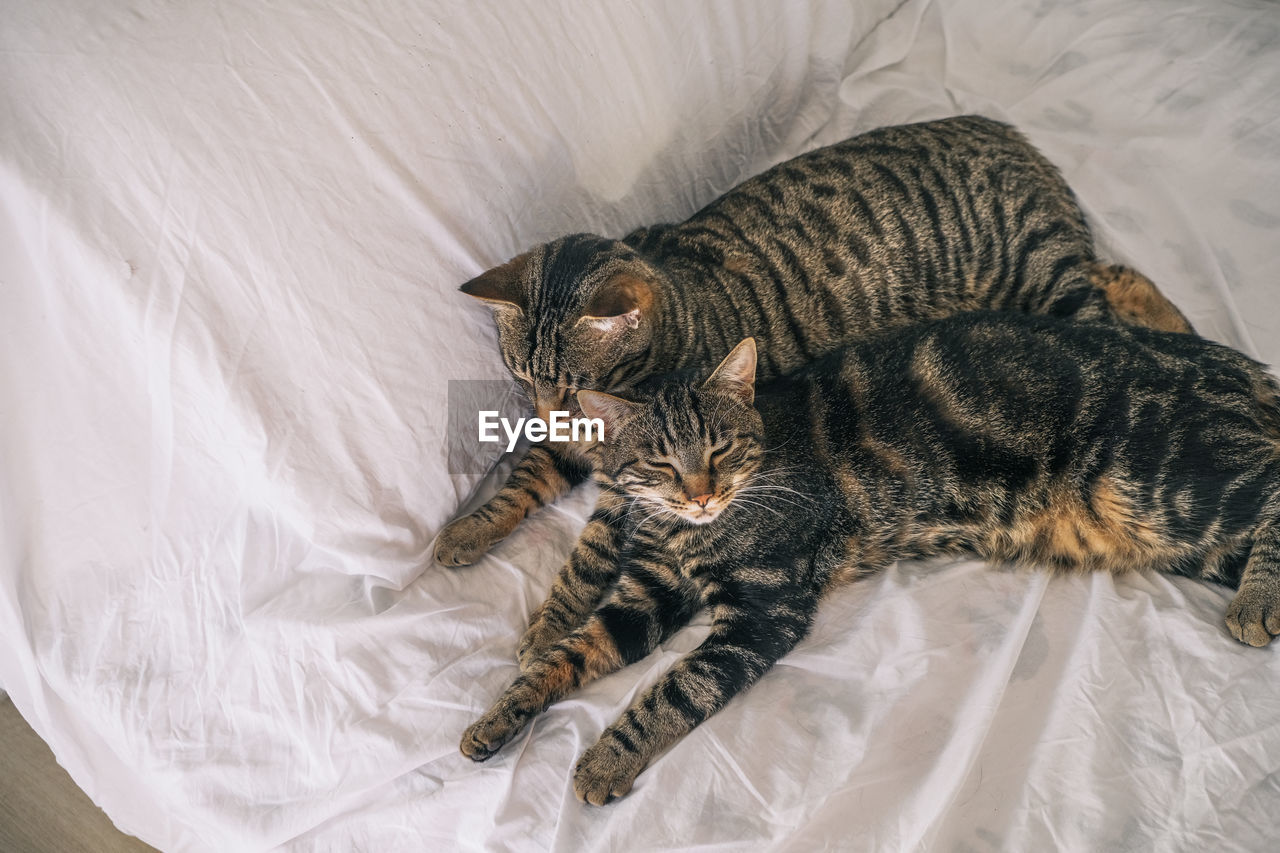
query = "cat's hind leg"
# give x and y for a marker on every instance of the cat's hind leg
(648, 604)
(1253, 616)
(745, 642)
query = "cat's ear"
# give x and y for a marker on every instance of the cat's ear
(500, 287)
(736, 375)
(618, 304)
(609, 409)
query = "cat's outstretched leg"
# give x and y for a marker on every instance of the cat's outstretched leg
(590, 570)
(648, 604)
(1136, 300)
(745, 641)
(1253, 616)
(541, 477)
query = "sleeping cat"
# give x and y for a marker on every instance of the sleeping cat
(899, 224)
(1072, 446)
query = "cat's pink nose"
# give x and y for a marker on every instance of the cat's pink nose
(701, 500)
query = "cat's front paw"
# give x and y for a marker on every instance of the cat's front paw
(1253, 616)
(605, 772)
(465, 540)
(488, 734)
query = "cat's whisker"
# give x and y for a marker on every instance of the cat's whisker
(643, 508)
(777, 448)
(761, 484)
(777, 472)
(779, 487)
(786, 497)
(658, 511)
(757, 505)
(805, 504)
(790, 503)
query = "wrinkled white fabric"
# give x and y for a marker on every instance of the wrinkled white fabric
(230, 240)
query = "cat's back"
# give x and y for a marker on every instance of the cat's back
(1025, 380)
(896, 225)
(1048, 362)
(942, 164)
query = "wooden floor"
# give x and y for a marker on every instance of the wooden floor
(41, 809)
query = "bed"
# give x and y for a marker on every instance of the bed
(230, 240)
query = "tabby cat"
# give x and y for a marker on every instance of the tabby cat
(1021, 438)
(899, 224)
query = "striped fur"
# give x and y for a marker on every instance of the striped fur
(539, 478)
(1071, 446)
(900, 224)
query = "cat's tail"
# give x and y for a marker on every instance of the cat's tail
(1136, 300)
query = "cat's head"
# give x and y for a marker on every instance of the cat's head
(578, 312)
(688, 452)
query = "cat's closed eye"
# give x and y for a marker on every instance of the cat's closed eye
(663, 467)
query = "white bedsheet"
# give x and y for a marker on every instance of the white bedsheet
(230, 243)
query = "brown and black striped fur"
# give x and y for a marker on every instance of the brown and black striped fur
(900, 224)
(1019, 438)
